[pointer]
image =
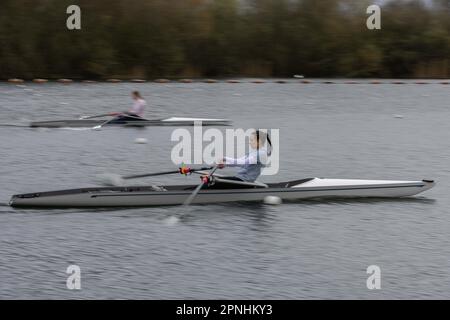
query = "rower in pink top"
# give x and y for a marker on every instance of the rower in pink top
(136, 112)
(138, 105)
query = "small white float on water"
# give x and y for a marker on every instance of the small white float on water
(141, 141)
(273, 200)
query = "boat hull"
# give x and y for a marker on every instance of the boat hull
(176, 195)
(171, 122)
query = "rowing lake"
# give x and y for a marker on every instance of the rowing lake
(308, 249)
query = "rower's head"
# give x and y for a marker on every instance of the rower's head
(258, 139)
(136, 95)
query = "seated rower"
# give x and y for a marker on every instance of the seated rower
(250, 165)
(137, 110)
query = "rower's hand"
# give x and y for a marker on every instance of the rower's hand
(205, 179)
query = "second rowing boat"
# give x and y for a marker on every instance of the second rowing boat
(173, 121)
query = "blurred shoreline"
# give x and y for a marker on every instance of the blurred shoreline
(229, 38)
(330, 80)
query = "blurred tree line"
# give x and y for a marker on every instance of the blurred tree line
(215, 38)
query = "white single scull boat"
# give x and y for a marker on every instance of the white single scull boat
(138, 196)
(86, 123)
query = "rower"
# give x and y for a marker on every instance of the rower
(138, 106)
(137, 110)
(251, 164)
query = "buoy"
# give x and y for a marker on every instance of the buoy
(398, 82)
(305, 81)
(280, 81)
(15, 80)
(273, 200)
(40, 80)
(141, 141)
(445, 82)
(328, 82)
(162, 81)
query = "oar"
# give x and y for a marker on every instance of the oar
(164, 172)
(98, 127)
(117, 180)
(108, 121)
(111, 114)
(197, 190)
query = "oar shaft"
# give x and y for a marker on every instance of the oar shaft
(102, 124)
(242, 183)
(197, 190)
(132, 117)
(163, 173)
(125, 115)
(150, 174)
(99, 116)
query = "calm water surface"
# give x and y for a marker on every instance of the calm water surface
(305, 249)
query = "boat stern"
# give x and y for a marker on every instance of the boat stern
(428, 184)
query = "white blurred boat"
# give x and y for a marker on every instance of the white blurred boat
(228, 191)
(86, 123)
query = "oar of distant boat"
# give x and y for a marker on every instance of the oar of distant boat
(98, 116)
(115, 115)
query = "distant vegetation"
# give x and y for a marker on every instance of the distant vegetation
(223, 38)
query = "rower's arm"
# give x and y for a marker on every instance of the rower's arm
(252, 158)
(236, 162)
